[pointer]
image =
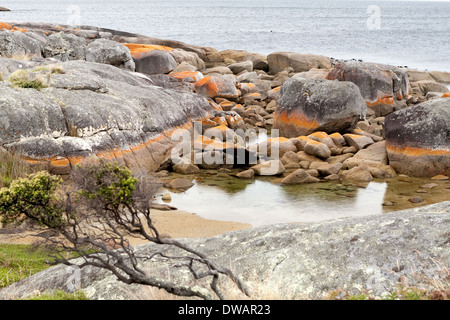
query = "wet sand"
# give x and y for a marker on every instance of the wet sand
(174, 223)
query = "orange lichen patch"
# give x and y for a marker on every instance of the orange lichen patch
(384, 100)
(214, 87)
(77, 29)
(446, 95)
(221, 128)
(60, 162)
(227, 104)
(206, 82)
(416, 152)
(208, 123)
(336, 135)
(399, 96)
(137, 49)
(231, 120)
(247, 85)
(279, 139)
(311, 141)
(220, 120)
(5, 26)
(256, 95)
(18, 30)
(190, 76)
(320, 135)
(58, 27)
(297, 119)
(354, 136)
(276, 89)
(208, 143)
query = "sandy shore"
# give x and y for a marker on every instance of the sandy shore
(175, 223)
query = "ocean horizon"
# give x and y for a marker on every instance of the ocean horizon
(411, 34)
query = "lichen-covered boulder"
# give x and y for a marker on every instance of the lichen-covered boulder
(418, 139)
(380, 85)
(309, 105)
(65, 47)
(110, 52)
(278, 61)
(217, 87)
(96, 110)
(152, 59)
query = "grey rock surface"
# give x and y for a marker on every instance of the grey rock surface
(110, 52)
(310, 260)
(65, 47)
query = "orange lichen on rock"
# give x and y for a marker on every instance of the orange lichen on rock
(206, 143)
(446, 95)
(279, 139)
(383, 100)
(220, 120)
(276, 89)
(296, 118)
(189, 76)
(137, 49)
(417, 151)
(5, 26)
(320, 135)
(213, 87)
(18, 30)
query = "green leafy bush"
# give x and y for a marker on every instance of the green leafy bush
(33, 197)
(111, 183)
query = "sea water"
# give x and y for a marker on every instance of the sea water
(402, 33)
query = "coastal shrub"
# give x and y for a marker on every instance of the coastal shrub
(33, 197)
(27, 79)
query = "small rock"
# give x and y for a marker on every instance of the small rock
(269, 168)
(416, 199)
(332, 177)
(247, 174)
(299, 176)
(440, 177)
(388, 204)
(179, 184)
(429, 186)
(186, 168)
(166, 197)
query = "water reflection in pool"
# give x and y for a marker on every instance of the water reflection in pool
(262, 202)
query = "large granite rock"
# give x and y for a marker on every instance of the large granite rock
(309, 105)
(382, 86)
(106, 112)
(299, 62)
(310, 260)
(418, 139)
(110, 52)
(18, 44)
(65, 47)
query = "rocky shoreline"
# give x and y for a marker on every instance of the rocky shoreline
(69, 95)
(91, 103)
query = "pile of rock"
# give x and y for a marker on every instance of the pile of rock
(312, 100)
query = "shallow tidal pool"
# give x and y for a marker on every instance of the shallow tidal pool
(263, 201)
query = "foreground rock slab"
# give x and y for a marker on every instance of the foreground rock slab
(376, 253)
